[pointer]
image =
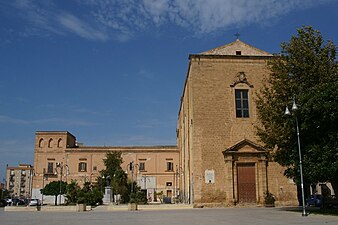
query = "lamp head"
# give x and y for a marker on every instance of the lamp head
(287, 111)
(294, 106)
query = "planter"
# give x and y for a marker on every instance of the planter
(269, 204)
(132, 206)
(81, 207)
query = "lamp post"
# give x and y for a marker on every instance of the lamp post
(102, 183)
(132, 167)
(43, 183)
(287, 112)
(61, 166)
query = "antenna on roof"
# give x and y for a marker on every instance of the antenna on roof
(237, 35)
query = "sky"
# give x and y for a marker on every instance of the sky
(112, 72)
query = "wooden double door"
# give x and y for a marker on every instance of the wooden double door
(246, 183)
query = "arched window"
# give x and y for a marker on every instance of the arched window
(60, 143)
(41, 143)
(50, 143)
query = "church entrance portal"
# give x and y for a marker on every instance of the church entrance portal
(246, 183)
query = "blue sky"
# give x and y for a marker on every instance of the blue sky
(111, 72)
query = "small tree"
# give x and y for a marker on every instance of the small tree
(114, 175)
(89, 194)
(55, 188)
(137, 196)
(4, 193)
(72, 192)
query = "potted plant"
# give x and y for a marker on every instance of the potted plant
(81, 204)
(132, 205)
(269, 199)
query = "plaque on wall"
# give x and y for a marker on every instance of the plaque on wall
(209, 176)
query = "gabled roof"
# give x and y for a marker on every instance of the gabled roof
(236, 46)
(236, 147)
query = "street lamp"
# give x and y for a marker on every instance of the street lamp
(102, 183)
(132, 167)
(288, 113)
(61, 167)
(44, 177)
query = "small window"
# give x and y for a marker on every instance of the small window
(142, 166)
(170, 166)
(242, 103)
(41, 143)
(238, 52)
(94, 168)
(82, 167)
(50, 143)
(169, 184)
(60, 143)
(50, 168)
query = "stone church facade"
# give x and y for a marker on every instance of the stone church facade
(221, 158)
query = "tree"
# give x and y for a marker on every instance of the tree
(306, 71)
(72, 192)
(53, 188)
(89, 194)
(4, 194)
(114, 175)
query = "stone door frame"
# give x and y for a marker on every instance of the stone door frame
(245, 151)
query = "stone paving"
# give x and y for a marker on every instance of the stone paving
(215, 216)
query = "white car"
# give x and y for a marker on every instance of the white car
(34, 202)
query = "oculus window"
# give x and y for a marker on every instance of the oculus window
(242, 103)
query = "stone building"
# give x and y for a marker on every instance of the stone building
(19, 180)
(222, 161)
(57, 156)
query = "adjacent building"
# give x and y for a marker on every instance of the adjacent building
(57, 156)
(19, 180)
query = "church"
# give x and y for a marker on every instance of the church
(218, 160)
(223, 161)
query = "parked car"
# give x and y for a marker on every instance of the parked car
(331, 202)
(34, 202)
(9, 201)
(315, 200)
(3, 203)
(17, 201)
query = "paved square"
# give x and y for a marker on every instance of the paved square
(233, 216)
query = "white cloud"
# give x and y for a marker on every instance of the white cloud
(103, 20)
(75, 25)
(197, 16)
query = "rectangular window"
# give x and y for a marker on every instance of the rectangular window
(242, 103)
(142, 166)
(170, 166)
(82, 167)
(50, 168)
